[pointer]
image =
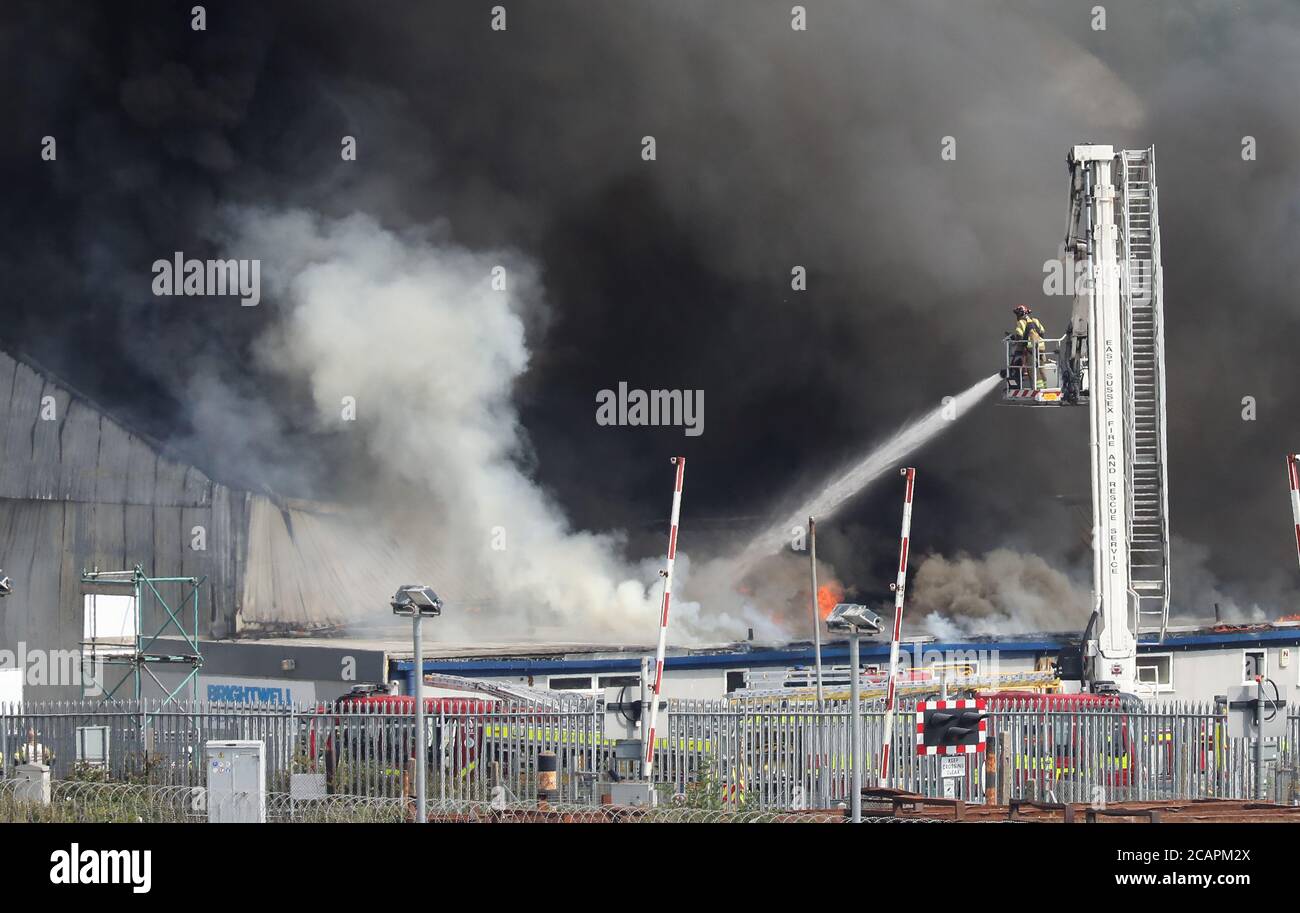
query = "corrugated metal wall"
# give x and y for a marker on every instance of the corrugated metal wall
(313, 568)
(77, 490)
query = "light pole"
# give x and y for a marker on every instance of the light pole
(854, 619)
(816, 607)
(418, 602)
(823, 773)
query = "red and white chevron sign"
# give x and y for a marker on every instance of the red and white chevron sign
(978, 743)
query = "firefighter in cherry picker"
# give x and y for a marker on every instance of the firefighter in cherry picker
(1029, 332)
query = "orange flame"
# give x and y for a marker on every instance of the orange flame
(828, 596)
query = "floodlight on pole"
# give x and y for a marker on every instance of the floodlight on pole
(415, 599)
(851, 618)
(417, 602)
(854, 620)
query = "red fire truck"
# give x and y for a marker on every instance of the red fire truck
(374, 728)
(1068, 736)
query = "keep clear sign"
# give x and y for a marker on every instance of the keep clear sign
(951, 768)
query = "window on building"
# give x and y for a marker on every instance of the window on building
(1253, 662)
(11, 686)
(1156, 671)
(108, 619)
(620, 681)
(569, 683)
(735, 680)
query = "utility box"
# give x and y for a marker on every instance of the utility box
(622, 713)
(631, 793)
(236, 781)
(92, 745)
(1241, 712)
(33, 783)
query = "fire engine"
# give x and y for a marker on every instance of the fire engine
(1052, 748)
(1059, 737)
(372, 724)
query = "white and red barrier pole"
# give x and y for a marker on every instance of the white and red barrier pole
(667, 574)
(1293, 472)
(899, 585)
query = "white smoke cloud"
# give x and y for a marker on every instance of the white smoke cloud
(411, 328)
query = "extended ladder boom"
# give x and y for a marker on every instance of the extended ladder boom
(1117, 337)
(1142, 292)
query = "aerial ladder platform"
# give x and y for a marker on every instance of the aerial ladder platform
(1111, 361)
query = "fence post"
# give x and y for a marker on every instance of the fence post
(442, 753)
(855, 734)
(990, 775)
(5, 756)
(1259, 739)
(1004, 767)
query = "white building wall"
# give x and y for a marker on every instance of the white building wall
(1201, 674)
(688, 684)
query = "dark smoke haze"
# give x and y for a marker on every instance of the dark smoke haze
(775, 148)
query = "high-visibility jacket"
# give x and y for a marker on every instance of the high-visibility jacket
(1027, 325)
(29, 753)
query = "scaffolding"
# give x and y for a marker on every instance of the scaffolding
(144, 651)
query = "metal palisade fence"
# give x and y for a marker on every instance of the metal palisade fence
(749, 755)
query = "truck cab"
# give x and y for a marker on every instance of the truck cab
(377, 724)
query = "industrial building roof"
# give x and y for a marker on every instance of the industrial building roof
(523, 658)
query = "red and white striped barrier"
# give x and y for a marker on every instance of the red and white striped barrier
(1293, 471)
(967, 704)
(900, 584)
(663, 615)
